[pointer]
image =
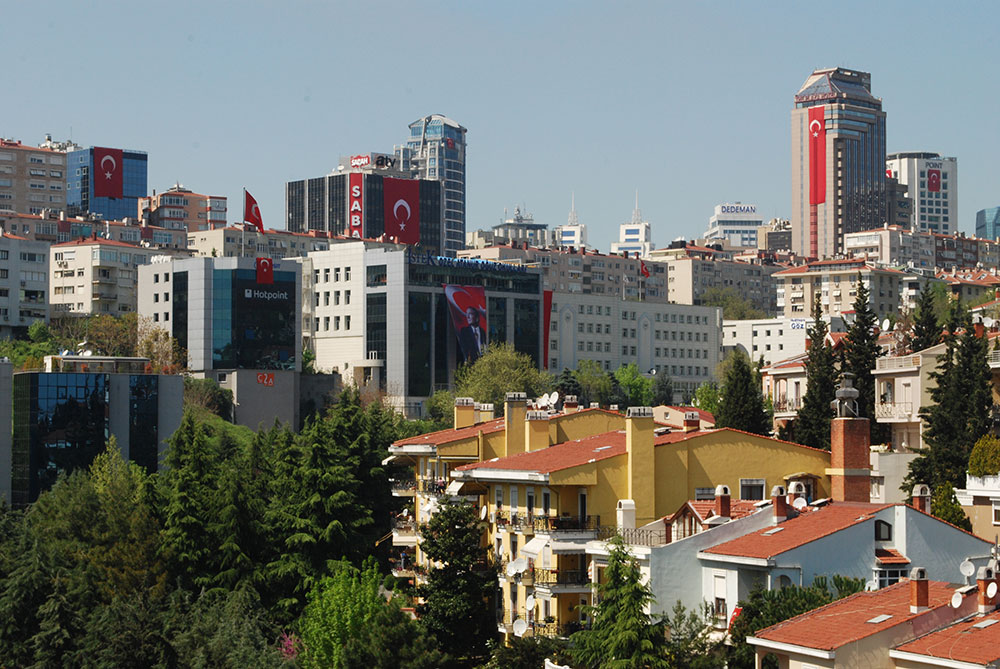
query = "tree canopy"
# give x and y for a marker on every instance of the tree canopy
(734, 306)
(812, 424)
(741, 403)
(501, 370)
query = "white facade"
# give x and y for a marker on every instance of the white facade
(24, 282)
(932, 184)
(634, 237)
(571, 235)
(95, 276)
(737, 223)
(773, 338)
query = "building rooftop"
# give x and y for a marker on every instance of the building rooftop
(451, 435)
(102, 241)
(856, 617)
(975, 640)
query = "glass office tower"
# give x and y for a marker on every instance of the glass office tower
(80, 197)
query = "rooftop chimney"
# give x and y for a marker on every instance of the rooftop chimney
(465, 412)
(919, 594)
(570, 404)
(779, 504)
(536, 430)
(641, 464)
(691, 421)
(722, 501)
(486, 411)
(850, 466)
(514, 406)
(986, 597)
(922, 497)
(626, 514)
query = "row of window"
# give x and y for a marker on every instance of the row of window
(336, 323)
(336, 298)
(326, 276)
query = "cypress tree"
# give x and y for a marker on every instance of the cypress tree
(741, 405)
(812, 425)
(663, 389)
(861, 351)
(926, 329)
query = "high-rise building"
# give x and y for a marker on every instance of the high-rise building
(351, 201)
(106, 182)
(573, 233)
(24, 283)
(838, 161)
(178, 208)
(634, 236)
(931, 184)
(988, 223)
(736, 223)
(31, 178)
(436, 148)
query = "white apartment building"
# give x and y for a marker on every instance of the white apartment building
(95, 276)
(688, 278)
(24, 283)
(932, 184)
(235, 242)
(32, 178)
(773, 338)
(835, 281)
(735, 223)
(892, 245)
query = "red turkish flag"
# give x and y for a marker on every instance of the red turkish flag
(265, 270)
(934, 181)
(402, 209)
(251, 212)
(817, 156)
(107, 171)
(643, 269)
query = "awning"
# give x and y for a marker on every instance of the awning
(569, 546)
(454, 488)
(388, 460)
(534, 547)
(465, 488)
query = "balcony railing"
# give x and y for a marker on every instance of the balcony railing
(783, 403)
(561, 577)
(516, 520)
(902, 362)
(404, 526)
(403, 486)
(434, 486)
(635, 536)
(566, 523)
(890, 410)
(993, 358)
(554, 629)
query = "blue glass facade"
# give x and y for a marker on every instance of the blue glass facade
(988, 223)
(253, 325)
(80, 189)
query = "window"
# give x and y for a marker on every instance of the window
(347, 274)
(347, 297)
(347, 322)
(883, 531)
(703, 494)
(996, 513)
(499, 503)
(751, 488)
(887, 577)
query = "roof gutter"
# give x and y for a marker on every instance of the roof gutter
(937, 661)
(792, 648)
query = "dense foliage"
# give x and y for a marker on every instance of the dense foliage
(741, 404)
(860, 352)
(985, 457)
(812, 424)
(498, 371)
(734, 306)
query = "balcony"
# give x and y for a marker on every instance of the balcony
(635, 536)
(514, 521)
(107, 297)
(562, 577)
(552, 629)
(892, 412)
(403, 488)
(404, 532)
(993, 357)
(787, 405)
(906, 362)
(432, 486)
(551, 524)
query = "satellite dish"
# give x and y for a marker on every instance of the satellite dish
(991, 590)
(542, 401)
(511, 570)
(520, 627)
(520, 565)
(553, 397)
(956, 600)
(988, 322)
(88, 353)
(65, 351)
(800, 503)
(406, 513)
(871, 586)
(967, 567)
(482, 513)
(529, 603)
(885, 325)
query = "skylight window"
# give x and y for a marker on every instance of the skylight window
(879, 619)
(601, 448)
(984, 624)
(773, 531)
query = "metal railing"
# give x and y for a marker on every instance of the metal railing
(901, 362)
(404, 526)
(541, 628)
(784, 403)
(993, 358)
(435, 486)
(894, 410)
(566, 523)
(561, 577)
(405, 485)
(635, 536)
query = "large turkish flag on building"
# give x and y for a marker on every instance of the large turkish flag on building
(934, 181)
(107, 173)
(265, 270)
(402, 209)
(817, 156)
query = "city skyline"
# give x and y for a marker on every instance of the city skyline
(687, 104)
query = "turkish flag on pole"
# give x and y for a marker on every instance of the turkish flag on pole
(107, 172)
(265, 270)
(251, 212)
(817, 155)
(402, 209)
(643, 269)
(934, 181)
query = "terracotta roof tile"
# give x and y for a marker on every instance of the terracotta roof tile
(846, 620)
(963, 641)
(702, 414)
(890, 556)
(451, 434)
(705, 509)
(799, 531)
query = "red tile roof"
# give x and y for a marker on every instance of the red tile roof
(799, 531)
(702, 414)
(890, 556)
(451, 434)
(963, 641)
(705, 509)
(846, 620)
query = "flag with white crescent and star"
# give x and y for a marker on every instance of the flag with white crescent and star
(934, 181)
(817, 155)
(106, 173)
(251, 212)
(265, 271)
(401, 201)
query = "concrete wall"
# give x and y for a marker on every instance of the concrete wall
(170, 406)
(257, 404)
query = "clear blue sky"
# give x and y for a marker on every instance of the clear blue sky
(688, 103)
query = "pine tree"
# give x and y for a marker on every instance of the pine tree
(926, 329)
(741, 404)
(622, 634)
(567, 384)
(945, 506)
(663, 389)
(861, 351)
(812, 425)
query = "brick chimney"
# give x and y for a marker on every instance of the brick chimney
(919, 593)
(536, 430)
(570, 404)
(922, 497)
(986, 577)
(850, 452)
(465, 412)
(514, 407)
(722, 501)
(692, 422)
(779, 504)
(641, 463)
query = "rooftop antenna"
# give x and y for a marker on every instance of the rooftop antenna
(636, 214)
(573, 219)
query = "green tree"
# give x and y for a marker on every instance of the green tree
(812, 425)
(526, 653)
(206, 394)
(706, 397)
(926, 327)
(567, 384)
(663, 389)
(944, 505)
(763, 608)
(741, 405)
(622, 634)
(501, 370)
(441, 410)
(392, 640)
(636, 388)
(690, 643)
(734, 306)
(985, 457)
(595, 385)
(456, 607)
(860, 352)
